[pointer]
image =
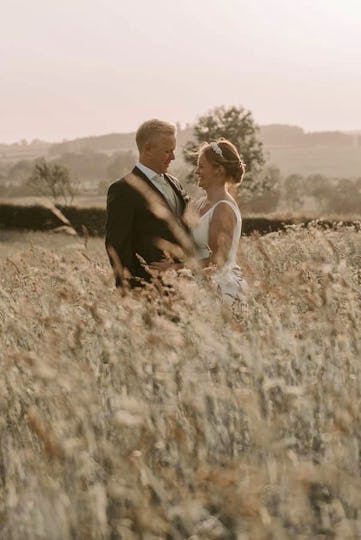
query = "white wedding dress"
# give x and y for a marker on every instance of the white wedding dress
(228, 279)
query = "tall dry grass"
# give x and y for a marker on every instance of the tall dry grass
(159, 414)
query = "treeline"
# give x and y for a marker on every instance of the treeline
(312, 195)
(90, 164)
(325, 196)
(90, 172)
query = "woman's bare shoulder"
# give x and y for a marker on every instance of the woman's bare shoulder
(226, 210)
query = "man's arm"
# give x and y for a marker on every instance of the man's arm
(119, 228)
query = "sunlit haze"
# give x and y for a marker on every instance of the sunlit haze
(70, 69)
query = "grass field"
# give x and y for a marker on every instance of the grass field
(159, 414)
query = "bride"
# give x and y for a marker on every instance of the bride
(218, 231)
(216, 235)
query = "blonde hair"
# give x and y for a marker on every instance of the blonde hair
(151, 129)
(223, 152)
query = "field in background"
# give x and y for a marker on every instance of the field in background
(330, 161)
(159, 414)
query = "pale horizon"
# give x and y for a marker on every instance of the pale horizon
(92, 68)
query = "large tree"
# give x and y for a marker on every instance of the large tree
(237, 125)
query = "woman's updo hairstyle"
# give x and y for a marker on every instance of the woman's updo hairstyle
(223, 152)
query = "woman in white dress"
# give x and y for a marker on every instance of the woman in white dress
(217, 232)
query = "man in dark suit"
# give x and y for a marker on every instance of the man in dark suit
(145, 208)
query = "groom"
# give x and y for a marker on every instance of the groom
(145, 208)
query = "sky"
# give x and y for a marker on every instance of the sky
(87, 67)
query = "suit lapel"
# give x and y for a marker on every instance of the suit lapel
(172, 183)
(180, 201)
(144, 177)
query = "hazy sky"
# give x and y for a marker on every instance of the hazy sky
(86, 67)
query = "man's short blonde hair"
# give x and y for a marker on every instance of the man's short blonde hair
(151, 129)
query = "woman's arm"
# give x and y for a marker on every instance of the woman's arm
(221, 231)
(220, 239)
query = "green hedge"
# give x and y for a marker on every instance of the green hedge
(91, 218)
(28, 217)
(41, 218)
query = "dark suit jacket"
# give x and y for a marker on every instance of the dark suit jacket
(133, 229)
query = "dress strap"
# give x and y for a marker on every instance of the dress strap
(231, 204)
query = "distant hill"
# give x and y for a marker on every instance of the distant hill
(112, 142)
(23, 150)
(331, 153)
(283, 135)
(290, 148)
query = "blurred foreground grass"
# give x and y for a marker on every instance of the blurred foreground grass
(158, 414)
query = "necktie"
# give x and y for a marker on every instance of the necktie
(166, 190)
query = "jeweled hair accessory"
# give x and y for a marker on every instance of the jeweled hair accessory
(216, 148)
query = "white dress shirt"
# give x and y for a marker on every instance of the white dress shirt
(158, 181)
